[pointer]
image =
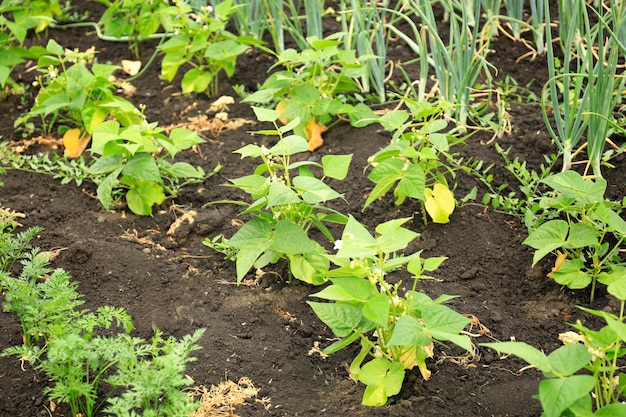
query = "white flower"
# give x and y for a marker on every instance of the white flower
(337, 245)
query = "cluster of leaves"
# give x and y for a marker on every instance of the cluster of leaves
(285, 206)
(417, 162)
(76, 93)
(589, 231)
(27, 15)
(136, 20)
(131, 156)
(130, 160)
(312, 85)
(583, 375)
(90, 371)
(201, 40)
(397, 331)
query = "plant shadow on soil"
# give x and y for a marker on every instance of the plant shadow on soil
(166, 278)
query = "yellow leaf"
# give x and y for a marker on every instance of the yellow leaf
(560, 259)
(314, 132)
(280, 108)
(439, 203)
(74, 144)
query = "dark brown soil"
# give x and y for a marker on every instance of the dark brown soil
(265, 330)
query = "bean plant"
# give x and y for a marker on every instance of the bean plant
(397, 330)
(288, 200)
(590, 234)
(417, 162)
(312, 87)
(200, 39)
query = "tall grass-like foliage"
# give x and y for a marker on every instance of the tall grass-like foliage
(364, 26)
(581, 92)
(458, 63)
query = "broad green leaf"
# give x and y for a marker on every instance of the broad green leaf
(376, 309)
(571, 184)
(617, 288)
(183, 138)
(106, 164)
(383, 379)
(409, 332)
(439, 203)
(255, 185)
(262, 96)
(549, 236)
(609, 217)
(382, 186)
(105, 188)
(530, 354)
(356, 242)
(348, 288)
(143, 195)
(394, 238)
(309, 267)
(196, 80)
(341, 318)
(411, 183)
(54, 48)
(336, 166)
(439, 320)
(557, 394)
(617, 326)
(251, 241)
(186, 170)
(105, 132)
(289, 238)
(249, 151)
(279, 194)
(569, 359)
(142, 166)
(611, 410)
(265, 115)
(313, 190)
(572, 275)
(581, 235)
(290, 145)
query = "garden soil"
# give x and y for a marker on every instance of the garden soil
(158, 269)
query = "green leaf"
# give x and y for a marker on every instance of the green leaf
(376, 309)
(557, 394)
(409, 332)
(349, 288)
(289, 238)
(280, 194)
(569, 359)
(581, 235)
(142, 166)
(105, 188)
(105, 165)
(265, 115)
(290, 145)
(617, 288)
(383, 379)
(530, 354)
(254, 238)
(143, 195)
(309, 267)
(572, 185)
(611, 410)
(103, 134)
(572, 275)
(313, 190)
(336, 166)
(196, 80)
(54, 48)
(356, 242)
(546, 238)
(341, 318)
